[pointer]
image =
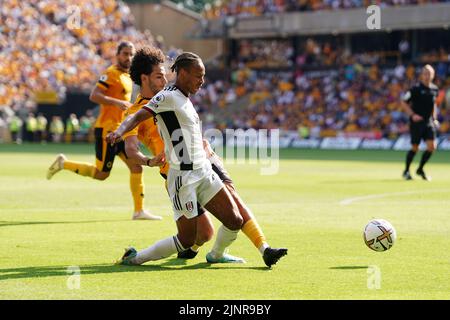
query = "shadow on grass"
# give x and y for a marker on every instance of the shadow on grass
(25, 223)
(54, 271)
(349, 267)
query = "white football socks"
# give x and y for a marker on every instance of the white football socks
(263, 247)
(160, 250)
(225, 238)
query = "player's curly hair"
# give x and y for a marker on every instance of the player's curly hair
(184, 61)
(143, 62)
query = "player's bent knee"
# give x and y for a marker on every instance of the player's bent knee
(205, 230)
(205, 234)
(136, 169)
(100, 175)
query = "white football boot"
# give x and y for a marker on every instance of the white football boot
(56, 166)
(145, 215)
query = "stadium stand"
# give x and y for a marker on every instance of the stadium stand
(350, 100)
(42, 57)
(53, 56)
(252, 8)
(313, 86)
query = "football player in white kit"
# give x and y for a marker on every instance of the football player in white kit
(190, 178)
(145, 64)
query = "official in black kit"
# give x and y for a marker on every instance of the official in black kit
(420, 104)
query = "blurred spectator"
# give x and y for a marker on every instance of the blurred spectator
(303, 132)
(85, 128)
(41, 129)
(4, 132)
(31, 127)
(72, 127)
(15, 128)
(56, 129)
(90, 116)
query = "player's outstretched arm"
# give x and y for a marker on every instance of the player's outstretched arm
(98, 96)
(134, 153)
(132, 121)
(127, 125)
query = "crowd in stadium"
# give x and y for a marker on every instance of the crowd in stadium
(323, 91)
(42, 48)
(350, 100)
(105, 23)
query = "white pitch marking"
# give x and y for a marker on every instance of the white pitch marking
(384, 195)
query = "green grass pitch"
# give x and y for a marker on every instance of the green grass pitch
(316, 206)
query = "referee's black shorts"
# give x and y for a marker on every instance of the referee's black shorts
(421, 130)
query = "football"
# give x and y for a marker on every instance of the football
(379, 235)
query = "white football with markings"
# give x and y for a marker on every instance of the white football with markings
(379, 235)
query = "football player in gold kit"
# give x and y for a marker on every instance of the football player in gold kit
(113, 93)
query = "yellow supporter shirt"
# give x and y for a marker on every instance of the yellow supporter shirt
(117, 84)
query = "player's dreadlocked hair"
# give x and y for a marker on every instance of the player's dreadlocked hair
(143, 62)
(124, 44)
(184, 61)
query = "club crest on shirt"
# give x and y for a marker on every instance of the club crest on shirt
(159, 98)
(189, 206)
(152, 103)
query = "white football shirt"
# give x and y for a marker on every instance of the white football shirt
(179, 127)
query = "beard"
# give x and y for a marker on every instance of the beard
(124, 65)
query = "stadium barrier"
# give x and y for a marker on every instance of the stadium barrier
(402, 143)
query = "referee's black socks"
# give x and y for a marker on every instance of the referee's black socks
(409, 158)
(425, 157)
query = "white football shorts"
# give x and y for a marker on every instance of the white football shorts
(186, 188)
